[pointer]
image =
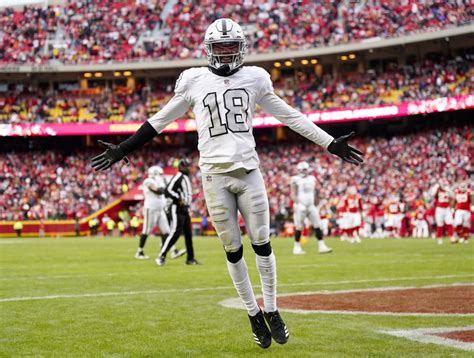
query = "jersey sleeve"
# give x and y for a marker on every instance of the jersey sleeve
(160, 184)
(181, 84)
(294, 119)
(175, 108)
(433, 192)
(148, 183)
(264, 83)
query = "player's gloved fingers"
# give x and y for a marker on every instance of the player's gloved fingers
(105, 144)
(98, 162)
(346, 137)
(98, 157)
(355, 150)
(108, 165)
(351, 161)
(99, 167)
(103, 165)
(355, 157)
(126, 160)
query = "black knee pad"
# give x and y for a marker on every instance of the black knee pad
(263, 250)
(297, 235)
(235, 257)
(318, 233)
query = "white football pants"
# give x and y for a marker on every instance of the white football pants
(242, 191)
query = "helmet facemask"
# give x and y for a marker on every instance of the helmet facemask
(228, 52)
(155, 172)
(303, 169)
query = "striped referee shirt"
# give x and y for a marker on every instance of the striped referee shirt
(179, 189)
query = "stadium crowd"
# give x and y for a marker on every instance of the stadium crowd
(104, 31)
(416, 81)
(31, 187)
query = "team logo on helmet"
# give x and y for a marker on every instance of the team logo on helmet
(225, 44)
(302, 168)
(155, 171)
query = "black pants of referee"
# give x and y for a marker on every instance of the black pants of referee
(180, 222)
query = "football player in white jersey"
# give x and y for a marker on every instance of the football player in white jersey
(303, 194)
(223, 97)
(154, 211)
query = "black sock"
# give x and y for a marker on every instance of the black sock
(143, 238)
(163, 239)
(318, 233)
(297, 235)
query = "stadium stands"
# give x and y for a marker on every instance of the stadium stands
(108, 31)
(31, 187)
(432, 78)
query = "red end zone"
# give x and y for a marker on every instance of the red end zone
(463, 336)
(452, 299)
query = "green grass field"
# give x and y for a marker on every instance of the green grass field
(80, 297)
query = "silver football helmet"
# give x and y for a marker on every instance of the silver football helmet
(155, 171)
(302, 168)
(225, 44)
(352, 190)
(463, 186)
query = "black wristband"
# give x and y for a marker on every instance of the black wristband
(143, 135)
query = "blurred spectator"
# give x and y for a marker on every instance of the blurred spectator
(18, 227)
(36, 186)
(90, 31)
(434, 77)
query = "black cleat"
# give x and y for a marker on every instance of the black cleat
(279, 331)
(261, 334)
(193, 262)
(177, 253)
(160, 261)
(140, 255)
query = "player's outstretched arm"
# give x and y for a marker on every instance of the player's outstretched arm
(114, 153)
(433, 190)
(154, 188)
(174, 109)
(294, 119)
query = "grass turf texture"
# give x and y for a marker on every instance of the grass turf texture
(173, 311)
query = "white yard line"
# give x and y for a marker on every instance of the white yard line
(393, 279)
(53, 277)
(110, 274)
(425, 335)
(237, 303)
(229, 287)
(107, 294)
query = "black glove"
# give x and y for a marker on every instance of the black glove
(344, 151)
(114, 152)
(112, 155)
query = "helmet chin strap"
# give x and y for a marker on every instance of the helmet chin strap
(224, 70)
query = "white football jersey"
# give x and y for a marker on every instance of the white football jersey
(224, 108)
(152, 200)
(305, 189)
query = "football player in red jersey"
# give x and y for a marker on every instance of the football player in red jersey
(371, 212)
(353, 204)
(443, 214)
(341, 212)
(393, 216)
(420, 223)
(462, 215)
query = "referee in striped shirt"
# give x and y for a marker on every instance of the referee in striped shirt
(180, 192)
